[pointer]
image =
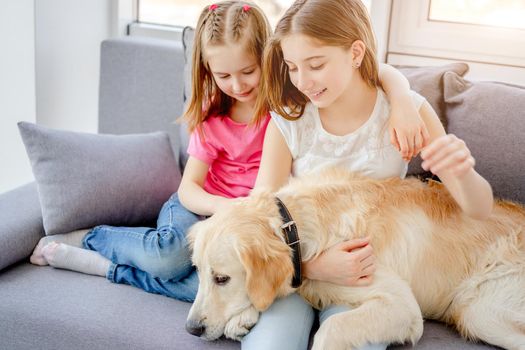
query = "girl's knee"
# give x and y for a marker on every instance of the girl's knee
(273, 330)
(167, 267)
(167, 243)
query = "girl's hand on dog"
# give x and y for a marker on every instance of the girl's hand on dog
(448, 153)
(349, 263)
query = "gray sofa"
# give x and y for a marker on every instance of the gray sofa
(141, 90)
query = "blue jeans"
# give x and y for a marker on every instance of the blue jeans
(155, 259)
(287, 323)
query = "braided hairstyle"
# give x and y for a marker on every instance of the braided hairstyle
(223, 23)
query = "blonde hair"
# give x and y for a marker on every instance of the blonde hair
(225, 22)
(331, 22)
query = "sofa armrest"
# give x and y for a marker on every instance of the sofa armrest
(20, 224)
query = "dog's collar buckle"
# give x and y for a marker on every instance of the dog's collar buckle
(287, 224)
(289, 229)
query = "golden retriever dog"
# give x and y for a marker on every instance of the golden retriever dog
(432, 261)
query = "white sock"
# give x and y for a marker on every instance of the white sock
(67, 257)
(73, 239)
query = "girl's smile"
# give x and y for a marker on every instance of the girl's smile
(316, 95)
(244, 94)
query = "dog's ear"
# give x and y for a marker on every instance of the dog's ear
(191, 235)
(195, 238)
(267, 267)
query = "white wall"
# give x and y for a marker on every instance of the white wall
(68, 37)
(49, 71)
(17, 88)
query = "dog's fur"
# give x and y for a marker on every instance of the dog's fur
(433, 261)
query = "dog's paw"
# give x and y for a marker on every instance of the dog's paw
(329, 337)
(239, 325)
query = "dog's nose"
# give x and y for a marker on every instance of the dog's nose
(195, 328)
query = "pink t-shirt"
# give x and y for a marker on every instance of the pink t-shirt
(233, 151)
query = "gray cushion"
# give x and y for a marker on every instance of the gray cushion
(20, 224)
(428, 82)
(91, 179)
(490, 118)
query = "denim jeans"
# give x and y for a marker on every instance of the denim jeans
(287, 323)
(154, 259)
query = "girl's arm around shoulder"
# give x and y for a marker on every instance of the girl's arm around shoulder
(276, 161)
(191, 190)
(449, 158)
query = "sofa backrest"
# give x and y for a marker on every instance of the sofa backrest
(141, 87)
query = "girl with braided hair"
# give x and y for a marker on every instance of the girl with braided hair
(224, 154)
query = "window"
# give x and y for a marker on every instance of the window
(496, 13)
(186, 12)
(166, 18)
(487, 34)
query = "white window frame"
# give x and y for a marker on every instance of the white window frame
(136, 28)
(125, 14)
(493, 53)
(380, 16)
(159, 31)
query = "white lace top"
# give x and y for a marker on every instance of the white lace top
(366, 150)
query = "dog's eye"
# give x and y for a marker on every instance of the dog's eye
(221, 279)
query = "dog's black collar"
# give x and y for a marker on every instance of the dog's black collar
(291, 236)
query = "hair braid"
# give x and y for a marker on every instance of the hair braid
(238, 23)
(214, 25)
